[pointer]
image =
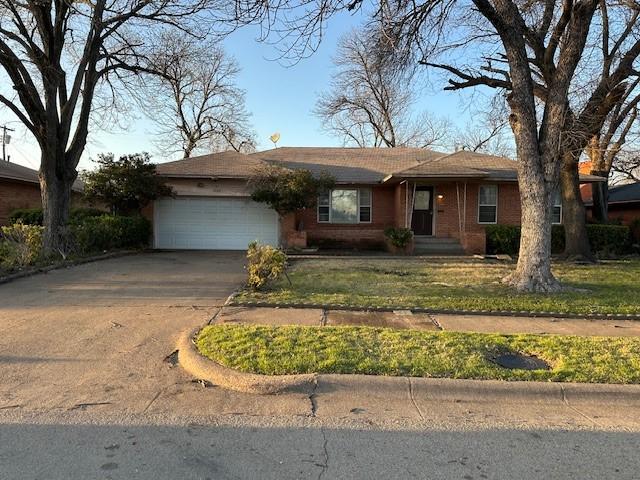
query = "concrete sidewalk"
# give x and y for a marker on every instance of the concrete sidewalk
(432, 322)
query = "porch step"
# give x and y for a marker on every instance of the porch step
(425, 240)
(437, 246)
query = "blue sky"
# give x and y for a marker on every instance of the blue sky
(281, 98)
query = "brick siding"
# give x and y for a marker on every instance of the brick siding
(14, 194)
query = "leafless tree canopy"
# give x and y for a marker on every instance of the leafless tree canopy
(195, 102)
(370, 105)
(488, 131)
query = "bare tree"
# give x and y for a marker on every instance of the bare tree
(196, 103)
(487, 132)
(56, 54)
(627, 166)
(604, 86)
(370, 105)
(605, 149)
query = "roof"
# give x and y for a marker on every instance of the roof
(229, 164)
(13, 171)
(465, 164)
(629, 192)
(351, 165)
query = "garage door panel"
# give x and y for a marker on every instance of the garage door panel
(213, 223)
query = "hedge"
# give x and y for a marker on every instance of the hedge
(109, 232)
(603, 238)
(34, 216)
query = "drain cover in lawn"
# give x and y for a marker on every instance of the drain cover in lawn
(521, 362)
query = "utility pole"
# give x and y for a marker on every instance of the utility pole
(5, 141)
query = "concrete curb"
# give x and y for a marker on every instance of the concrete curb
(64, 264)
(203, 368)
(440, 311)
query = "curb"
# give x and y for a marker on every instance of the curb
(202, 368)
(436, 311)
(63, 264)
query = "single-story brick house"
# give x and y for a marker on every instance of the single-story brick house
(20, 188)
(446, 199)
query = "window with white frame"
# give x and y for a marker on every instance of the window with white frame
(488, 204)
(348, 205)
(556, 212)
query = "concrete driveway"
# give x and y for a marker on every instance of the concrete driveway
(95, 336)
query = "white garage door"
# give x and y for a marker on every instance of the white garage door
(213, 223)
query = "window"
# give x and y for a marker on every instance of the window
(365, 205)
(488, 204)
(345, 206)
(323, 207)
(556, 212)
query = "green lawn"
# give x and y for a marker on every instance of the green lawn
(609, 287)
(383, 351)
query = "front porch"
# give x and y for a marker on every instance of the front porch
(448, 216)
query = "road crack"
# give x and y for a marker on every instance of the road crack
(413, 400)
(578, 411)
(312, 399)
(325, 452)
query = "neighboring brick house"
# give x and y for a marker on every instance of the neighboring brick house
(623, 202)
(20, 188)
(441, 197)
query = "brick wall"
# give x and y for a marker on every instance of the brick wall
(389, 210)
(625, 213)
(359, 235)
(15, 195)
(450, 211)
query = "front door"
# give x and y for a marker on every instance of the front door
(422, 220)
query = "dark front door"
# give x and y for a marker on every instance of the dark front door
(422, 220)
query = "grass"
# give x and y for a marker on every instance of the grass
(609, 287)
(382, 351)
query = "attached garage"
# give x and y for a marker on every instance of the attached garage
(212, 223)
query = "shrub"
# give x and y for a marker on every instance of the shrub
(264, 263)
(635, 230)
(21, 245)
(609, 238)
(399, 237)
(503, 239)
(603, 238)
(77, 215)
(34, 216)
(108, 232)
(26, 216)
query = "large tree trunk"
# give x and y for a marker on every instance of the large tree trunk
(55, 190)
(600, 195)
(577, 246)
(533, 271)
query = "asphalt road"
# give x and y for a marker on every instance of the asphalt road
(254, 449)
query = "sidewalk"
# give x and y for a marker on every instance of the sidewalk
(433, 322)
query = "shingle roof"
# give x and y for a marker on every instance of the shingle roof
(222, 165)
(465, 164)
(625, 193)
(13, 171)
(350, 165)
